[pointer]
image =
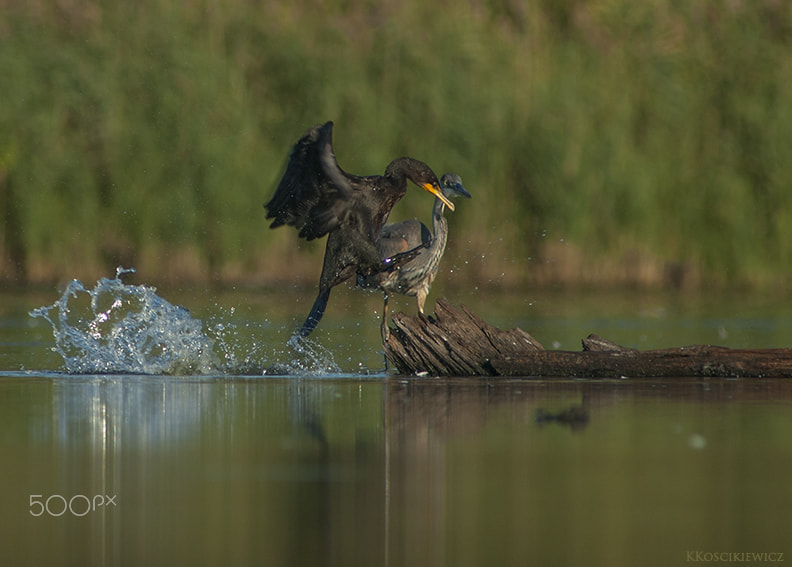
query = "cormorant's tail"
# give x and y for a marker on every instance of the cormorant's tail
(316, 313)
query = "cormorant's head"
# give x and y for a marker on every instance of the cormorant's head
(437, 191)
(420, 174)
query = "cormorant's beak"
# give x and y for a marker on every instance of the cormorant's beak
(437, 192)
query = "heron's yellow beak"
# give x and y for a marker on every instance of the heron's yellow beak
(437, 192)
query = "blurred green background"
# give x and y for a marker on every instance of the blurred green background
(604, 141)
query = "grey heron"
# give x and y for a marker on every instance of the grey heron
(414, 277)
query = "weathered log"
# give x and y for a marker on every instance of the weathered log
(691, 361)
(456, 342)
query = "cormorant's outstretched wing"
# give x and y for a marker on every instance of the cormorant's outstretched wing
(306, 193)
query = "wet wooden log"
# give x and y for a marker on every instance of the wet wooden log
(456, 342)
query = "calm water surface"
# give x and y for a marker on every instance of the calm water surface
(360, 467)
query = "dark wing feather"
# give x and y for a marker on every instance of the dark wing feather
(306, 196)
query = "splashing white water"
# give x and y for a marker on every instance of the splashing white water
(116, 328)
(245, 353)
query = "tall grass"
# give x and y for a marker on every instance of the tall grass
(602, 141)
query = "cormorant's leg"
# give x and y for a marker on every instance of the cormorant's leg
(367, 255)
(316, 313)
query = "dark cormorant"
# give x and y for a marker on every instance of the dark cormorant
(317, 197)
(415, 277)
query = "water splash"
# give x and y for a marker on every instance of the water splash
(312, 359)
(116, 328)
(241, 352)
(244, 350)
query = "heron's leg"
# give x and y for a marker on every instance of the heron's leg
(420, 296)
(384, 329)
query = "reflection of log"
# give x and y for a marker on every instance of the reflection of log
(455, 342)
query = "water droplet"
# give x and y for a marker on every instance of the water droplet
(697, 441)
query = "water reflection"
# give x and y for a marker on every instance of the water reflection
(636, 487)
(575, 417)
(230, 470)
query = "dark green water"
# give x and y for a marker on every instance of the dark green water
(365, 468)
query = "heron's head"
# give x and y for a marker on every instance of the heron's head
(452, 186)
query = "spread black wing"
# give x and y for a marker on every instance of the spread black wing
(313, 188)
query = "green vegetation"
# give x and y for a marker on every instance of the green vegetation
(609, 140)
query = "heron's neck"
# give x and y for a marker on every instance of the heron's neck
(437, 211)
(439, 223)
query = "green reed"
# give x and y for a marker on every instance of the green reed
(151, 133)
